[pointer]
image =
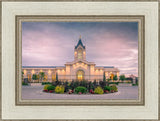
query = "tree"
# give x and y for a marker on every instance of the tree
(104, 77)
(108, 79)
(122, 77)
(56, 76)
(34, 76)
(41, 76)
(115, 77)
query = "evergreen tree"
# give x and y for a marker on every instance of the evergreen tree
(34, 77)
(56, 76)
(108, 79)
(104, 77)
(41, 74)
(115, 77)
(122, 77)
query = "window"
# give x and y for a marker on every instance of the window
(80, 54)
(80, 75)
(29, 77)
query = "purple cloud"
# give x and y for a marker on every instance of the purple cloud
(107, 43)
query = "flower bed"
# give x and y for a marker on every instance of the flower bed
(80, 87)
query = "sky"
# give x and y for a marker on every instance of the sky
(107, 43)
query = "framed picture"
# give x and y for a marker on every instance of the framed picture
(80, 80)
(86, 60)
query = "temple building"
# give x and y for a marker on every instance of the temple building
(79, 69)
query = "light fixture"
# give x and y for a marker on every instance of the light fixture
(25, 72)
(32, 71)
(49, 71)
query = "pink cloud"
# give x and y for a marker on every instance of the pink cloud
(54, 45)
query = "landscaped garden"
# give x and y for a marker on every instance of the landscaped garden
(79, 87)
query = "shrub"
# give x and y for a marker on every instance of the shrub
(111, 85)
(71, 85)
(76, 84)
(57, 82)
(51, 91)
(106, 91)
(80, 93)
(108, 88)
(45, 90)
(98, 90)
(114, 83)
(91, 90)
(44, 83)
(108, 79)
(114, 88)
(70, 91)
(81, 89)
(134, 84)
(102, 83)
(129, 82)
(66, 86)
(90, 86)
(83, 83)
(95, 83)
(59, 89)
(45, 87)
(50, 88)
(24, 84)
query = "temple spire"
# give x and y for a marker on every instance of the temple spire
(80, 43)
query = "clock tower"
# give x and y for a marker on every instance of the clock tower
(79, 51)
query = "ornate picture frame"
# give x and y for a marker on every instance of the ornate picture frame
(143, 63)
(139, 19)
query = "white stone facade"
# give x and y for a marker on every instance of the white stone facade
(79, 69)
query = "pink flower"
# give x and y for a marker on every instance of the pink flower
(91, 91)
(45, 90)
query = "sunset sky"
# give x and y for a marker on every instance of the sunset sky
(107, 43)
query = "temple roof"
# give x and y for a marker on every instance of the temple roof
(41, 66)
(61, 66)
(105, 66)
(80, 43)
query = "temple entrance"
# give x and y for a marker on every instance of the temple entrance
(80, 75)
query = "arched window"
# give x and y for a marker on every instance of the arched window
(80, 75)
(80, 54)
(29, 77)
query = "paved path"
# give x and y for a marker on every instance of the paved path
(35, 92)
